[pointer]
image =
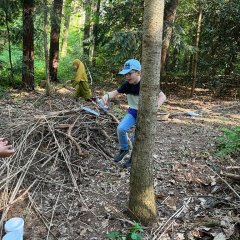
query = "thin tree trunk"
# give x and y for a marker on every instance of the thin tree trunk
(9, 45)
(87, 28)
(67, 17)
(28, 45)
(45, 22)
(56, 16)
(95, 32)
(195, 57)
(169, 18)
(142, 203)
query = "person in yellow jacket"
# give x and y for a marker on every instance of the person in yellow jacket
(80, 83)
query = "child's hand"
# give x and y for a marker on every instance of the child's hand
(6, 150)
(105, 98)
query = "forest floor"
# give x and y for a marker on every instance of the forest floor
(62, 180)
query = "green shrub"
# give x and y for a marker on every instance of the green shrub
(133, 233)
(229, 142)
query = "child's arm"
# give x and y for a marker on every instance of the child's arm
(109, 95)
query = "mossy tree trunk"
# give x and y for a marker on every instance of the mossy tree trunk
(142, 203)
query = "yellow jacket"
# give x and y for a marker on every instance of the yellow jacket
(81, 72)
(80, 82)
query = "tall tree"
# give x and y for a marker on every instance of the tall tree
(95, 30)
(28, 45)
(56, 17)
(45, 43)
(67, 15)
(6, 8)
(87, 27)
(169, 18)
(195, 56)
(142, 199)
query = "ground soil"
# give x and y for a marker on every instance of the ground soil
(62, 180)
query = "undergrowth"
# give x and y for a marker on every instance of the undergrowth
(229, 142)
(132, 234)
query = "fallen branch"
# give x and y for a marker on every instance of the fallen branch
(232, 176)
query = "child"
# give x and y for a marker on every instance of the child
(132, 73)
(80, 82)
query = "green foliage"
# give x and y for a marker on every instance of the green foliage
(133, 233)
(229, 142)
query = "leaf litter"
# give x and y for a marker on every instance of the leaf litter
(63, 182)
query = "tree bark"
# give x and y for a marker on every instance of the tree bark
(45, 22)
(95, 31)
(28, 45)
(9, 43)
(87, 28)
(142, 199)
(54, 39)
(195, 56)
(169, 18)
(67, 15)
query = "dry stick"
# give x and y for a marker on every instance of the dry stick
(69, 135)
(54, 208)
(20, 180)
(18, 185)
(20, 197)
(37, 211)
(69, 168)
(74, 141)
(224, 182)
(176, 214)
(232, 176)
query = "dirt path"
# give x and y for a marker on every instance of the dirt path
(85, 197)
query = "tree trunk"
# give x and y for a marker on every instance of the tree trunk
(195, 56)
(169, 18)
(87, 28)
(54, 39)
(142, 199)
(95, 31)
(67, 15)
(45, 22)
(9, 44)
(28, 45)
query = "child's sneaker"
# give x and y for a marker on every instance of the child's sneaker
(120, 155)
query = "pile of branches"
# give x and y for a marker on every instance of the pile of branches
(48, 137)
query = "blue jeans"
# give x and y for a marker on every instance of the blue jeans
(122, 129)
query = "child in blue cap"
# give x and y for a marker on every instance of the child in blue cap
(131, 87)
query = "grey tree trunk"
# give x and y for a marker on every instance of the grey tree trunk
(67, 15)
(142, 199)
(95, 31)
(195, 56)
(87, 27)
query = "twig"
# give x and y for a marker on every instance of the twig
(176, 214)
(232, 176)
(54, 208)
(224, 182)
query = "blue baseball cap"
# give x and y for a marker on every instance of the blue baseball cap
(131, 64)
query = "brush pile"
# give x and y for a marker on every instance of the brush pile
(61, 153)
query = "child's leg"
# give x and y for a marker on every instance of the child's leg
(122, 129)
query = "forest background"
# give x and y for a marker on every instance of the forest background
(201, 41)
